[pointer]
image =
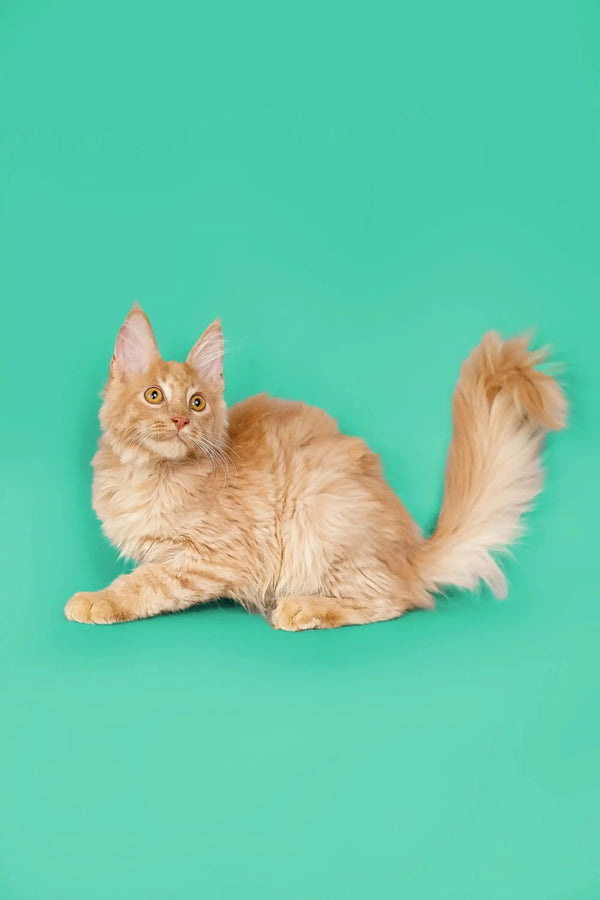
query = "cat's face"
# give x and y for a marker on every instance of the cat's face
(165, 410)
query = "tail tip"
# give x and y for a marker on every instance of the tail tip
(510, 366)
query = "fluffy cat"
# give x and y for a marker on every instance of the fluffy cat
(269, 504)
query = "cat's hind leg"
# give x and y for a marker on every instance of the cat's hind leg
(366, 594)
(305, 613)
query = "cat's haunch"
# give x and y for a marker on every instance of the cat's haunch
(269, 504)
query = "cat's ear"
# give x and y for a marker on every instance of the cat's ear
(136, 348)
(206, 356)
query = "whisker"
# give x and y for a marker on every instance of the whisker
(218, 456)
(208, 453)
(227, 444)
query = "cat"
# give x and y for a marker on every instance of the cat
(269, 504)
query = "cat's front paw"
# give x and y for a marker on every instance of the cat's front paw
(94, 607)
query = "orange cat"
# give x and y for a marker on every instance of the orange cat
(270, 505)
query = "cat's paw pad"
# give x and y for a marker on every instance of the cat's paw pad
(92, 608)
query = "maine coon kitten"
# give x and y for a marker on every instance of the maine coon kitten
(269, 504)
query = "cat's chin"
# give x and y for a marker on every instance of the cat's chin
(174, 448)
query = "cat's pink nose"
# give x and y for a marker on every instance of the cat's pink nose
(180, 421)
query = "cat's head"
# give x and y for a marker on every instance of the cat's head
(160, 409)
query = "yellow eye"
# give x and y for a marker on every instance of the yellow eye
(197, 402)
(154, 395)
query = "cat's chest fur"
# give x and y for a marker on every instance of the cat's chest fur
(145, 511)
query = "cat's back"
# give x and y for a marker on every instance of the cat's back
(291, 437)
(260, 419)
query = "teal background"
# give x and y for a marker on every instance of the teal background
(360, 190)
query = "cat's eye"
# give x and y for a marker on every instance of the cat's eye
(197, 402)
(154, 395)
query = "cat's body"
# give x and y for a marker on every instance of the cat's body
(271, 505)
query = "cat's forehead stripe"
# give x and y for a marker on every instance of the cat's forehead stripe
(173, 378)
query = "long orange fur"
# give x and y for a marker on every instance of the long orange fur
(269, 504)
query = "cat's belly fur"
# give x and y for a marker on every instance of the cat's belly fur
(304, 509)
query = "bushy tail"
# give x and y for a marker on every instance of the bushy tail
(502, 408)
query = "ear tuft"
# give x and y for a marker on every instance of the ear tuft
(135, 348)
(206, 356)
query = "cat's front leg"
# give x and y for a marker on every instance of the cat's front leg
(150, 589)
(98, 608)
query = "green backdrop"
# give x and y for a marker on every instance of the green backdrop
(360, 190)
